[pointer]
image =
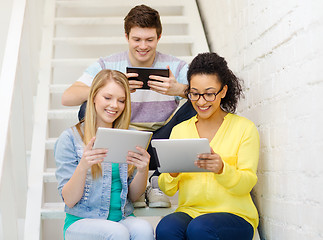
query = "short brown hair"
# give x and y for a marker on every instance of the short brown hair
(144, 17)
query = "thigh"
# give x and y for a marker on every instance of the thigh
(96, 229)
(219, 226)
(173, 226)
(139, 229)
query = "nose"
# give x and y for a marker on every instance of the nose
(142, 44)
(201, 101)
(114, 103)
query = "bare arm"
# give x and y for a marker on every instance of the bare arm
(76, 94)
(138, 184)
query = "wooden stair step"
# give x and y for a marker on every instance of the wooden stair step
(113, 20)
(56, 211)
(176, 39)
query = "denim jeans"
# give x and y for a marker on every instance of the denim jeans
(100, 229)
(215, 226)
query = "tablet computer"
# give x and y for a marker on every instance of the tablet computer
(179, 155)
(119, 142)
(144, 73)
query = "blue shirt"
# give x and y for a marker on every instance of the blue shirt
(95, 201)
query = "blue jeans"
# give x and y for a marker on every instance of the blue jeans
(100, 229)
(215, 226)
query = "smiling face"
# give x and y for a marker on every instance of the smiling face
(207, 83)
(109, 103)
(142, 46)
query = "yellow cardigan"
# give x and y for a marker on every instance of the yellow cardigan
(237, 142)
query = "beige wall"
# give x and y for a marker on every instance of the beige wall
(276, 47)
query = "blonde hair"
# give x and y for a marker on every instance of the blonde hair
(90, 120)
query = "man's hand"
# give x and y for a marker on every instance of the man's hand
(134, 84)
(167, 85)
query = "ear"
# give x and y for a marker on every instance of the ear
(224, 91)
(127, 37)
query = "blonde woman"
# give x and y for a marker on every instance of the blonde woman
(98, 196)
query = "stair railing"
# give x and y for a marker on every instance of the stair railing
(17, 87)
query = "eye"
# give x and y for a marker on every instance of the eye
(107, 98)
(194, 94)
(122, 101)
(209, 94)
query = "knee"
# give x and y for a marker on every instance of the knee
(163, 230)
(119, 232)
(198, 230)
(142, 230)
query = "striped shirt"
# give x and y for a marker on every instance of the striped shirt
(149, 110)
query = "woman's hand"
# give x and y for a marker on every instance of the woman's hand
(210, 161)
(92, 156)
(139, 160)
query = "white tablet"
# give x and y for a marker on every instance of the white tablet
(179, 155)
(119, 142)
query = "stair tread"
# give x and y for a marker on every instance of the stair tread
(62, 113)
(56, 211)
(113, 20)
(87, 61)
(174, 39)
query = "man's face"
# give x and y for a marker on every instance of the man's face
(142, 46)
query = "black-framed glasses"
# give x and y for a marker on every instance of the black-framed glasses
(209, 97)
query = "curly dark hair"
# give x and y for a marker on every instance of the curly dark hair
(213, 64)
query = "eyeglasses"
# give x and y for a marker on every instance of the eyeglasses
(209, 97)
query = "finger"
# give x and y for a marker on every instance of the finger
(158, 78)
(204, 156)
(133, 84)
(143, 151)
(129, 75)
(89, 145)
(97, 151)
(95, 157)
(162, 90)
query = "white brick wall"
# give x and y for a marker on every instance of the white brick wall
(277, 48)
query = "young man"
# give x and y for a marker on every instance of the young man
(150, 109)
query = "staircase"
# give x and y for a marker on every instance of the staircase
(75, 34)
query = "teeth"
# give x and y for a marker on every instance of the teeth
(111, 112)
(203, 108)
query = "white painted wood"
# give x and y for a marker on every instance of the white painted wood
(50, 142)
(49, 175)
(8, 72)
(56, 211)
(84, 62)
(8, 203)
(195, 28)
(62, 114)
(114, 20)
(127, 4)
(180, 39)
(35, 182)
(11, 207)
